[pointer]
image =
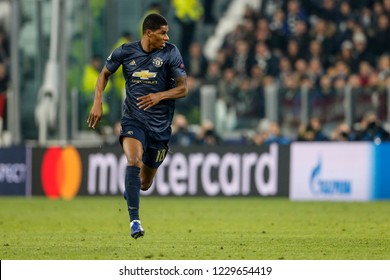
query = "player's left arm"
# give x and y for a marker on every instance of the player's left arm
(147, 101)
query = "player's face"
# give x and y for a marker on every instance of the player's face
(159, 37)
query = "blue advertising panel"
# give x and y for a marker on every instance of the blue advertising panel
(382, 171)
(13, 171)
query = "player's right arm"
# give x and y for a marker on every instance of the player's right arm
(97, 108)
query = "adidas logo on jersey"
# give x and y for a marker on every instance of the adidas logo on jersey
(132, 63)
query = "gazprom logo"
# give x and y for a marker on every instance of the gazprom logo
(327, 186)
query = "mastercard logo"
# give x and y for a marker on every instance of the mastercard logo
(61, 172)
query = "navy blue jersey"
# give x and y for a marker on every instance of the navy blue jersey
(148, 73)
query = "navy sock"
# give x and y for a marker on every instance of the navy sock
(132, 187)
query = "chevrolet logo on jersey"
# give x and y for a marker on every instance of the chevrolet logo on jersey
(144, 74)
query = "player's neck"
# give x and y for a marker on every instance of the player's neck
(146, 45)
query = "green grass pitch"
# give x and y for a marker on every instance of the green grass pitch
(194, 228)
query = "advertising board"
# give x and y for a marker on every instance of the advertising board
(198, 170)
(331, 171)
(13, 171)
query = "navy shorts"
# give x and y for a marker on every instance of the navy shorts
(155, 144)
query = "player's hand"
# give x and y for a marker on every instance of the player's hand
(95, 115)
(147, 101)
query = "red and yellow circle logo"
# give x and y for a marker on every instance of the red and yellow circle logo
(61, 172)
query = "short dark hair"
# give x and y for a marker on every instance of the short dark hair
(153, 22)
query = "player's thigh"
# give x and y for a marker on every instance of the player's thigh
(152, 159)
(133, 151)
(154, 156)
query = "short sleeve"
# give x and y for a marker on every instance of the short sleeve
(177, 64)
(114, 60)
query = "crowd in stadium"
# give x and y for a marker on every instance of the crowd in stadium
(325, 45)
(322, 44)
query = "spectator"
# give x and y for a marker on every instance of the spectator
(339, 86)
(260, 134)
(117, 78)
(366, 20)
(345, 14)
(90, 75)
(315, 71)
(265, 60)
(249, 14)
(181, 135)
(301, 69)
(294, 13)
(213, 73)
(278, 39)
(230, 40)
(305, 133)
(291, 97)
(386, 7)
(371, 129)
(324, 32)
(346, 53)
(197, 62)
(377, 9)
(316, 124)
(376, 88)
(262, 33)
(222, 59)
(293, 52)
(274, 135)
(329, 11)
(342, 132)
(190, 105)
(247, 104)
(312, 131)
(187, 14)
(228, 87)
(381, 43)
(207, 135)
(258, 82)
(249, 31)
(270, 7)
(362, 53)
(384, 67)
(325, 90)
(341, 70)
(301, 35)
(315, 51)
(365, 72)
(354, 82)
(225, 106)
(241, 58)
(285, 69)
(351, 25)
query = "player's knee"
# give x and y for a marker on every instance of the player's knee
(134, 161)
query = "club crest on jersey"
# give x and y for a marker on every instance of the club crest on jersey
(144, 74)
(157, 62)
